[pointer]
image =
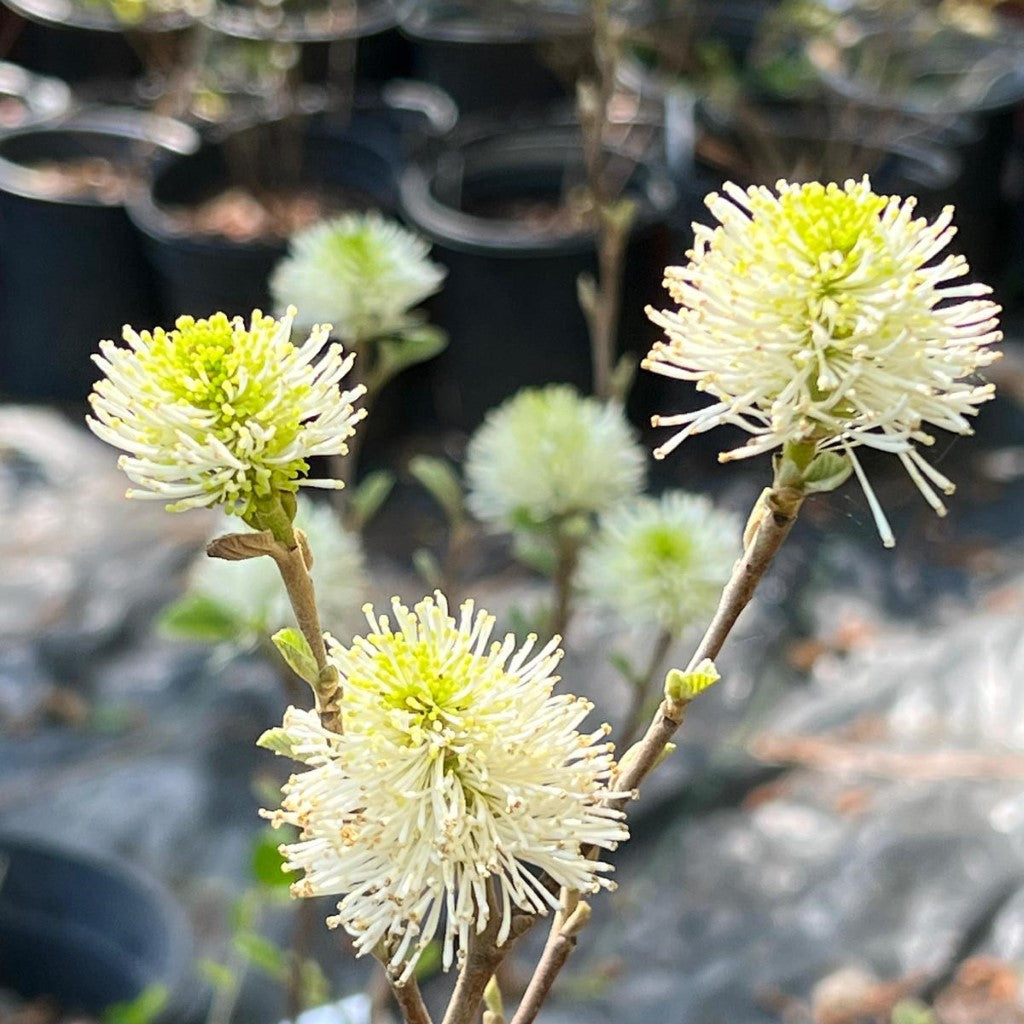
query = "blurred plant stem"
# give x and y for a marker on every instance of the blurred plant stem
(601, 299)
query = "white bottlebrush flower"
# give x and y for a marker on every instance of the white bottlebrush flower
(215, 412)
(821, 314)
(661, 559)
(250, 591)
(457, 770)
(551, 452)
(359, 271)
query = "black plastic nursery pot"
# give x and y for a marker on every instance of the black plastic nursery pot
(351, 161)
(89, 932)
(72, 269)
(84, 43)
(494, 57)
(509, 302)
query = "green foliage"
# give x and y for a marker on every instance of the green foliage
(220, 976)
(365, 499)
(196, 617)
(429, 962)
(911, 1011)
(416, 344)
(266, 864)
(682, 687)
(826, 472)
(294, 648)
(277, 740)
(443, 484)
(428, 568)
(261, 953)
(143, 1009)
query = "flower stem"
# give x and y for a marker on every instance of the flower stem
(568, 553)
(779, 509)
(771, 521)
(294, 560)
(410, 1002)
(634, 720)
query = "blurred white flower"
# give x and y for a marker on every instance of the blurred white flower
(550, 452)
(457, 771)
(252, 594)
(820, 314)
(359, 272)
(661, 559)
(215, 412)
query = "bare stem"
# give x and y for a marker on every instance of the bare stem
(560, 944)
(781, 506)
(634, 720)
(410, 1001)
(601, 307)
(778, 511)
(483, 959)
(568, 551)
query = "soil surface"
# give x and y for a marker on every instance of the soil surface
(92, 177)
(241, 216)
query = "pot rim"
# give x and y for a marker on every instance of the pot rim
(543, 147)
(68, 14)
(130, 125)
(366, 18)
(176, 968)
(45, 98)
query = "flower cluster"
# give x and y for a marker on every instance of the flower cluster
(359, 271)
(662, 560)
(457, 770)
(217, 412)
(819, 313)
(548, 453)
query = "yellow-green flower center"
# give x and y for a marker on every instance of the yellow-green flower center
(227, 370)
(660, 545)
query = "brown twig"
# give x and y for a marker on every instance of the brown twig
(640, 698)
(410, 1001)
(601, 302)
(565, 928)
(781, 507)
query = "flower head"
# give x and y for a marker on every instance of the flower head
(663, 559)
(215, 412)
(359, 271)
(457, 770)
(550, 452)
(250, 593)
(820, 314)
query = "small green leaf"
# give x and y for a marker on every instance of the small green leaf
(415, 344)
(143, 1009)
(277, 740)
(623, 666)
(826, 472)
(429, 962)
(266, 863)
(197, 617)
(262, 953)
(623, 376)
(426, 564)
(365, 500)
(294, 648)
(441, 481)
(911, 1011)
(313, 983)
(681, 687)
(218, 975)
(492, 998)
